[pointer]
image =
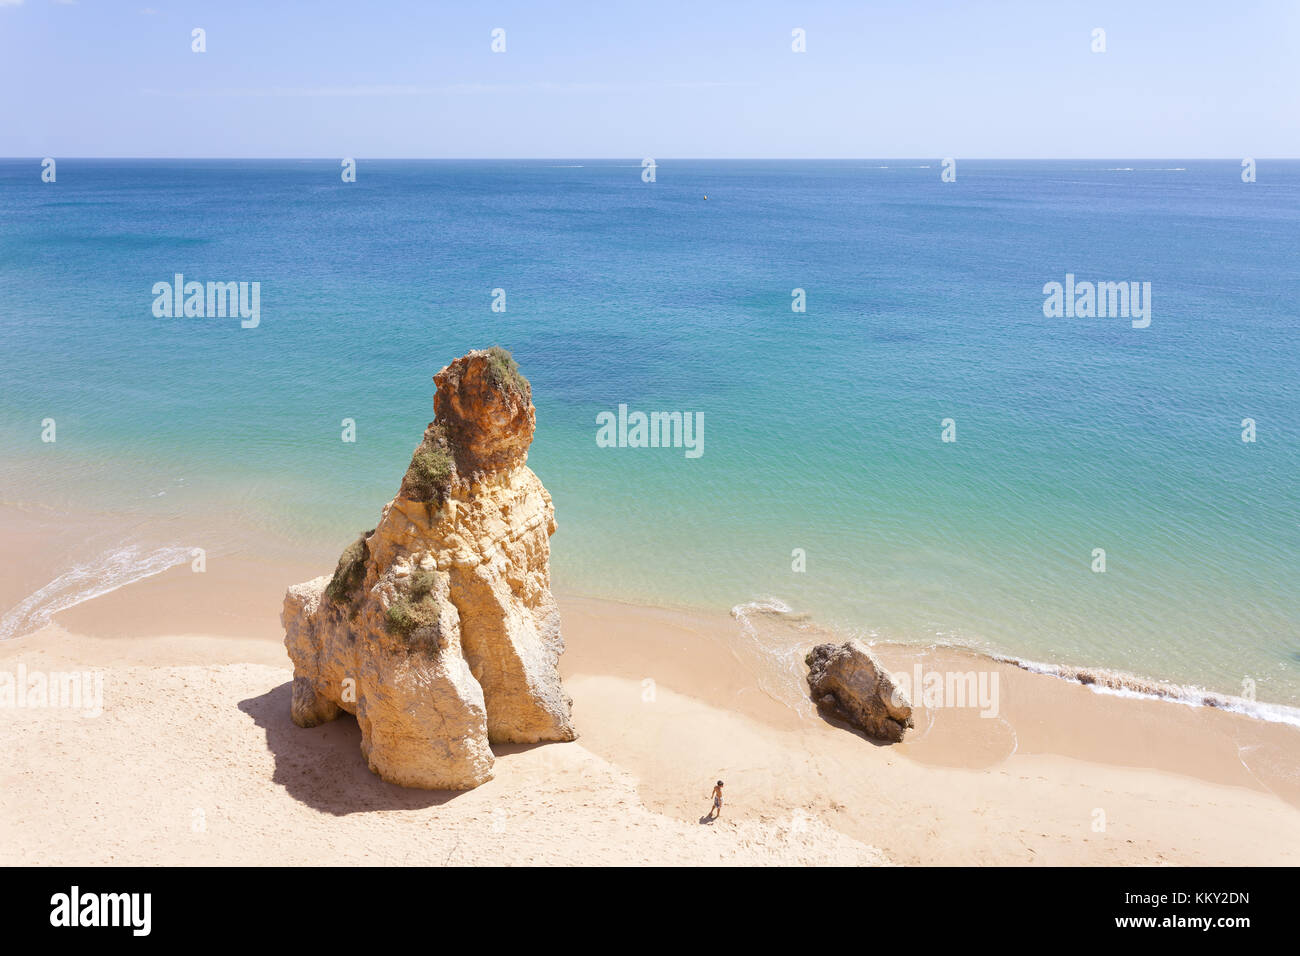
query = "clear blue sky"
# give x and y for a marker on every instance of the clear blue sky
(880, 78)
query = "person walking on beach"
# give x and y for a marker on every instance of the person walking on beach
(717, 802)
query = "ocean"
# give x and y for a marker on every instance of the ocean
(824, 486)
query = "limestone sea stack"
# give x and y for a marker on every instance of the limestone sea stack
(438, 629)
(848, 682)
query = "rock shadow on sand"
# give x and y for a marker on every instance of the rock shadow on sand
(840, 724)
(322, 767)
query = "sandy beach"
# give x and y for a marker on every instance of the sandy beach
(763, 436)
(194, 759)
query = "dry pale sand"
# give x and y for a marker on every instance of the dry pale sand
(195, 760)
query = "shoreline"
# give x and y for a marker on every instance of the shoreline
(1100, 679)
(45, 545)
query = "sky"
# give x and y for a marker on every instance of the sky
(931, 78)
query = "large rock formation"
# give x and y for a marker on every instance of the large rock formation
(849, 683)
(438, 628)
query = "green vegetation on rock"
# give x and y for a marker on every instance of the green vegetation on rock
(414, 616)
(350, 573)
(504, 371)
(423, 583)
(431, 469)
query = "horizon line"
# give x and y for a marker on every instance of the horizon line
(720, 159)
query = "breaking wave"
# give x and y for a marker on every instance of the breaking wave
(108, 572)
(776, 637)
(1103, 681)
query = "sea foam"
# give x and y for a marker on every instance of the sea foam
(108, 572)
(1120, 684)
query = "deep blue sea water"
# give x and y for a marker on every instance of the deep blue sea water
(822, 428)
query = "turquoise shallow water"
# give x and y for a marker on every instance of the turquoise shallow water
(822, 429)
